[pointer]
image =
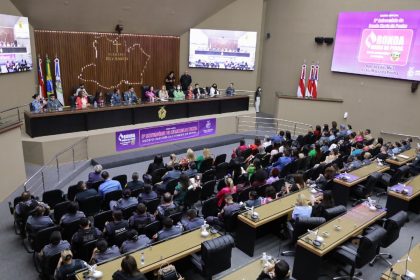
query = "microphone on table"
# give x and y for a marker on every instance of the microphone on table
(408, 275)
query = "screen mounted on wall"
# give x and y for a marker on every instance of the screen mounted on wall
(383, 44)
(222, 49)
(15, 44)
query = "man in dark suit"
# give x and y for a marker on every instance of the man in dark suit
(198, 91)
(185, 80)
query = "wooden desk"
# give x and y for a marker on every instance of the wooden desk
(397, 201)
(308, 257)
(249, 271)
(412, 266)
(341, 191)
(161, 253)
(271, 213)
(401, 160)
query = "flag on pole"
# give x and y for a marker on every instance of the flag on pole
(50, 87)
(314, 92)
(41, 84)
(308, 93)
(58, 87)
(301, 87)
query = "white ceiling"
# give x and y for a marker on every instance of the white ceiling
(163, 17)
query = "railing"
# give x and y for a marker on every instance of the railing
(262, 125)
(58, 168)
(243, 92)
(12, 115)
(400, 134)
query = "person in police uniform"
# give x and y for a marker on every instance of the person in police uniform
(102, 252)
(73, 214)
(134, 242)
(140, 217)
(56, 245)
(125, 202)
(115, 227)
(192, 221)
(169, 230)
(85, 233)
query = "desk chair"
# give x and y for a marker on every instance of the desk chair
(60, 209)
(222, 170)
(72, 191)
(157, 175)
(128, 212)
(95, 185)
(210, 207)
(84, 252)
(101, 218)
(362, 255)
(114, 195)
(176, 217)
(207, 189)
(192, 197)
(208, 175)
(392, 226)
(205, 165)
(152, 228)
(361, 192)
(53, 197)
(333, 212)
(68, 229)
(122, 179)
(215, 256)
(152, 205)
(48, 266)
(219, 159)
(40, 239)
(136, 192)
(231, 221)
(171, 185)
(299, 227)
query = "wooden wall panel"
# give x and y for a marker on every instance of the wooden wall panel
(93, 58)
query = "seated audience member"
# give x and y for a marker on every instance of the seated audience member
(56, 245)
(189, 94)
(116, 97)
(95, 176)
(168, 230)
(198, 91)
(73, 214)
(163, 94)
(277, 271)
(299, 181)
(38, 220)
(134, 242)
(383, 154)
(270, 195)
(189, 157)
(343, 131)
(178, 93)
(67, 265)
(192, 170)
(167, 206)
(150, 95)
(53, 103)
(130, 95)
(172, 160)
(368, 136)
(213, 90)
(302, 209)
(108, 185)
(115, 227)
(126, 201)
(82, 100)
(102, 252)
(129, 270)
(283, 160)
(26, 205)
(327, 201)
(99, 99)
(230, 90)
(358, 150)
(174, 173)
(135, 183)
(227, 211)
(366, 158)
(156, 164)
(192, 221)
(141, 217)
(324, 179)
(237, 152)
(353, 163)
(230, 188)
(415, 165)
(254, 200)
(317, 132)
(206, 155)
(260, 175)
(84, 192)
(278, 138)
(290, 186)
(148, 194)
(255, 145)
(84, 234)
(333, 155)
(359, 137)
(181, 189)
(396, 149)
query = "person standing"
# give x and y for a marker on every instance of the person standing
(257, 99)
(185, 80)
(170, 81)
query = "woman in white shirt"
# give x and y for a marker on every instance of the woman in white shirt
(163, 94)
(213, 90)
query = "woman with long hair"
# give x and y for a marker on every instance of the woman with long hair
(230, 188)
(129, 270)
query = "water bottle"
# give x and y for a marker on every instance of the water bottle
(142, 258)
(95, 104)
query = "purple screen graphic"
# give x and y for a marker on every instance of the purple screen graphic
(383, 44)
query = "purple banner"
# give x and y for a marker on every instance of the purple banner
(385, 44)
(149, 136)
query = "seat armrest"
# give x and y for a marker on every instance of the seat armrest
(348, 250)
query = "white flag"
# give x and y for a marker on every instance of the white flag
(58, 87)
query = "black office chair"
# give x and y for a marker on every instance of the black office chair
(360, 256)
(91, 205)
(210, 207)
(119, 238)
(246, 153)
(171, 185)
(53, 197)
(122, 179)
(114, 195)
(392, 226)
(40, 239)
(230, 222)
(60, 209)
(157, 175)
(48, 266)
(361, 192)
(207, 189)
(136, 192)
(205, 165)
(72, 191)
(191, 198)
(209, 175)
(222, 170)
(152, 205)
(68, 229)
(215, 256)
(220, 184)
(333, 212)
(152, 228)
(128, 212)
(101, 218)
(268, 149)
(265, 161)
(176, 217)
(299, 227)
(244, 194)
(84, 252)
(219, 159)
(95, 185)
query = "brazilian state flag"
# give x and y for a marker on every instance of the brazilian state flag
(49, 82)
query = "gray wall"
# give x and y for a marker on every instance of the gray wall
(378, 103)
(246, 15)
(17, 88)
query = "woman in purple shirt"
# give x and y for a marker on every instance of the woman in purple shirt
(95, 176)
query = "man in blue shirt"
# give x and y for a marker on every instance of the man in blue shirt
(116, 97)
(192, 221)
(130, 96)
(284, 160)
(278, 138)
(109, 185)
